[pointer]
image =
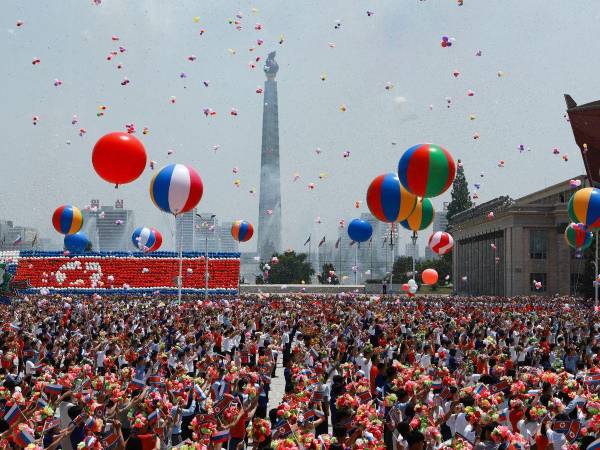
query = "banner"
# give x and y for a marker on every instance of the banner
(105, 272)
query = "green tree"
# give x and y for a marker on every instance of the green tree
(291, 268)
(325, 277)
(461, 197)
(402, 268)
(443, 266)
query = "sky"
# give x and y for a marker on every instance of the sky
(543, 49)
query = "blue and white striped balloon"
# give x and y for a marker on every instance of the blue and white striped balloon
(177, 188)
(144, 238)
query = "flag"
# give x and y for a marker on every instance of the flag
(437, 385)
(307, 241)
(52, 423)
(570, 428)
(90, 441)
(222, 405)
(594, 445)
(503, 416)
(41, 402)
(317, 396)
(199, 392)
(24, 438)
(18, 240)
(110, 441)
(157, 381)
(502, 385)
(445, 393)
(283, 430)
(593, 380)
(153, 417)
(137, 385)
(220, 436)
(322, 241)
(53, 389)
(13, 415)
(480, 389)
(313, 415)
(337, 243)
(364, 397)
(89, 422)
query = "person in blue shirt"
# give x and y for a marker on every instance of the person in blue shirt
(570, 360)
(179, 412)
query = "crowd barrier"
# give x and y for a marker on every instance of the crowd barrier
(126, 273)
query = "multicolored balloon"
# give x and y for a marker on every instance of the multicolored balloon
(426, 170)
(177, 188)
(360, 230)
(387, 199)
(441, 242)
(76, 242)
(421, 217)
(577, 236)
(146, 239)
(242, 230)
(119, 157)
(584, 207)
(67, 219)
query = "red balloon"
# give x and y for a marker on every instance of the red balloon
(119, 158)
(429, 276)
(405, 287)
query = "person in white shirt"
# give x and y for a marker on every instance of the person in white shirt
(529, 428)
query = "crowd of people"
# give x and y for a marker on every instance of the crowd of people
(299, 372)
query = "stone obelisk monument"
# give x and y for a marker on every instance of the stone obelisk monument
(269, 214)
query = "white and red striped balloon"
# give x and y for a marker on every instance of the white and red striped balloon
(441, 242)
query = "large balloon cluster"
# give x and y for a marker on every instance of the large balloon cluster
(120, 158)
(424, 171)
(584, 211)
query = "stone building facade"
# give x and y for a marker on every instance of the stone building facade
(523, 243)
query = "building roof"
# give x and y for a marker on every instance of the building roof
(544, 198)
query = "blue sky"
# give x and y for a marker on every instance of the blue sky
(543, 48)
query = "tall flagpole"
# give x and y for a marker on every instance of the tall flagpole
(356, 263)
(340, 257)
(180, 277)
(596, 268)
(309, 248)
(318, 257)
(371, 265)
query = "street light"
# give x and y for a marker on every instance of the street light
(205, 225)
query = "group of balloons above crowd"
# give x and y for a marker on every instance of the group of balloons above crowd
(424, 171)
(404, 197)
(120, 158)
(584, 212)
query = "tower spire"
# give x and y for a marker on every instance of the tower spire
(269, 214)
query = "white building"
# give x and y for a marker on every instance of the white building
(109, 228)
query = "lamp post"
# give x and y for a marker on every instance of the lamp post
(205, 225)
